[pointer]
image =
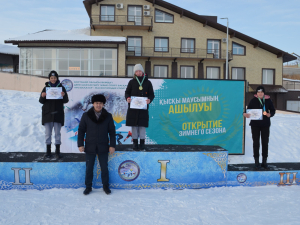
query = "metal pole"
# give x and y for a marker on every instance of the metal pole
(226, 48)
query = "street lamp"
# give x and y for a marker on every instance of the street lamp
(226, 48)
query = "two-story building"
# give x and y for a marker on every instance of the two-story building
(169, 41)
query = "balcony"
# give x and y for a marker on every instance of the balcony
(122, 22)
(174, 53)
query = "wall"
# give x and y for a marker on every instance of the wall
(21, 82)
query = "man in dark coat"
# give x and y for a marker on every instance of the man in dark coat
(96, 124)
(261, 127)
(138, 119)
(53, 115)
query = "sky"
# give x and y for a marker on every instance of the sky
(274, 22)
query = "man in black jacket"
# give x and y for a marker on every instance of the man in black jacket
(261, 127)
(96, 124)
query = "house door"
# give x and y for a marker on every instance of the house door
(135, 14)
(213, 47)
(134, 44)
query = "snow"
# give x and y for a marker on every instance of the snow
(286, 79)
(21, 121)
(225, 205)
(21, 131)
(9, 49)
(65, 35)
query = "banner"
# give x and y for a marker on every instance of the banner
(184, 112)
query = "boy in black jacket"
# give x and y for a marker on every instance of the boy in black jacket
(261, 127)
(53, 115)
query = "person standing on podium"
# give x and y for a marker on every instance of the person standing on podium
(138, 119)
(261, 128)
(94, 127)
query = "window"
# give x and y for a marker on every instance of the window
(238, 49)
(69, 61)
(134, 44)
(160, 71)
(213, 72)
(107, 13)
(238, 73)
(135, 14)
(163, 17)
(213, 47)
(188, 45)
(130, 70)
(161, 44)
(186, 71)
(268, 76)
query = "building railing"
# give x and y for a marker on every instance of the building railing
(177, 52)
(123, 20)
(291, 85)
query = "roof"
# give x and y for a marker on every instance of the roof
(205, 20)
(57, 36)
(269, 88)
(9, 49)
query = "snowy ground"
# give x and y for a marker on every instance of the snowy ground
(21, 130)
(21, 127)
(216, 206)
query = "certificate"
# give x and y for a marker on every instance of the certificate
(138, 102)
(54, 93)
(255, 114)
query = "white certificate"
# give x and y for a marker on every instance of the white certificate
(138, 102)
(255, 114)
(54, 93)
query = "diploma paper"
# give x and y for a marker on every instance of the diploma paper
(138, 102)
(54, 93)
(255, 114)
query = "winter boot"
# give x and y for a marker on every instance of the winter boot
(48, 153)
(142, 144)
(135, 144)
(87, 191)
(57, 152)
(256, 159)
(106, 189)
(264, 163)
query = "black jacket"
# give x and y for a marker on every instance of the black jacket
(53, 109)
(138, 117)
(255, 104)
(96, 132)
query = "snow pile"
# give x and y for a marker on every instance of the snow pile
(65, 35)
(21, 130)
(9, 49)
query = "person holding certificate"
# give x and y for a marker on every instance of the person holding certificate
(53, 98)
(260, 124)
(139, 94)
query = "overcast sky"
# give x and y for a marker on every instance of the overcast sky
(274, 22)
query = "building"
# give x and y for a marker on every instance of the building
(169, 41)
(291, 100)
(9, 58)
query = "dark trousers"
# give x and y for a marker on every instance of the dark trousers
(90, 162)
(264, 133)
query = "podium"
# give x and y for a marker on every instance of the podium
(161, 166)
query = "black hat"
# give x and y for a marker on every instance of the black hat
(260, 88)
(53, 73)
(98, 98)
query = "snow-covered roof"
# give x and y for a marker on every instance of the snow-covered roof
(9, 49)
(286, 79)
(79, 35)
